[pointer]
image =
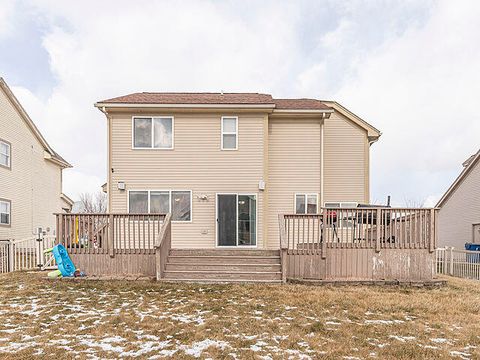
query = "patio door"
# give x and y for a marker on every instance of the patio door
(236, 220)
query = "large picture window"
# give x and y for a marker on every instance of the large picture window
(5, 154)
(5, 209)
(229, 133)
(176, 202)
(306, 203)
(153, 132)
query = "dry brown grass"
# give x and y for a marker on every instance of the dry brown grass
(93, 319)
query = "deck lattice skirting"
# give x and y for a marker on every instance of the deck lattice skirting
(361, 244)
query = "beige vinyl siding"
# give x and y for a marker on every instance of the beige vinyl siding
(460, 211)
(294, 167)
(346, 159)
(196, 163)
(33, 185)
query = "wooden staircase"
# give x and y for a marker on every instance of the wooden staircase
(222, 265)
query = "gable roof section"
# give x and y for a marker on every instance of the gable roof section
(300, 104)
(471, 162)
(372, 132)
(53, 156)
(253, 100)
(192, 98)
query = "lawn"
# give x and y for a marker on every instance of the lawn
(120, 319)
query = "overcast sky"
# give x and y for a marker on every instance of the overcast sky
(410, 68)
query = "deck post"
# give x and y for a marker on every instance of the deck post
(379, 230)
(283, 247)
(110, 236)
(431, 244)
(323, 239)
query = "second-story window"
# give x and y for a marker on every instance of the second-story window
(5, 155)
(229, 133)
(153, 132)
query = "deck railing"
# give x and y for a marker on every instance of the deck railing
(359, 228)
(109, 233)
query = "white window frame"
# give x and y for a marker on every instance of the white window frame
(229, 132)
(305, 195)
(169, 201)
(341, 204)
(9, 154)
(152, 132)
(236, 221)
(9, 207)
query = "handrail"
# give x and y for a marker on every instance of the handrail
(361, 227)
(163, 245)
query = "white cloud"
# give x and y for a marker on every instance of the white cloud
(420, 87)
(410, 68)
(7, 10)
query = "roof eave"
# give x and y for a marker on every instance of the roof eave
(458, 180)
(101, 105)
(30, 123)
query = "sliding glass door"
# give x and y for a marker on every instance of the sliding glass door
(236, 220)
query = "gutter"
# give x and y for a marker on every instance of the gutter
(204, 106)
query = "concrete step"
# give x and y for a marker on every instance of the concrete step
(222, 281)
(223, 276)
(223, 267)
(223, 252)
(181, 259)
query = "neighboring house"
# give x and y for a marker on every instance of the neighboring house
(30, 174)
(226, 164)
(459, 214)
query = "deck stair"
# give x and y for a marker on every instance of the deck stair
(222, 265)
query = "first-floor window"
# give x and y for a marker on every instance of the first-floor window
(4, 212)
(176, 202)
(306, 203)
(344, 218)
(5, 154)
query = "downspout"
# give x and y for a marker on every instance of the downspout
(109, 138)
(322, 147)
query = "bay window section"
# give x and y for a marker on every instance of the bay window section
(178, 203)
(153, 132)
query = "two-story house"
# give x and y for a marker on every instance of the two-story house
(30, 174)
(226, 164)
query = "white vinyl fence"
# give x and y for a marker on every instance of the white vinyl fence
(26, 254)
(460, 263)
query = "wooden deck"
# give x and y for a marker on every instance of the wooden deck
(362, 244)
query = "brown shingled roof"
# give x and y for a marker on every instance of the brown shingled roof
(299, 104)
(192, 98)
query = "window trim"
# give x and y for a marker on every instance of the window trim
(229, 132)
(305, 195)
(236, 221)
(9, 202)
(169, 201)
(340, 204)
(151, 117)
(9, 166)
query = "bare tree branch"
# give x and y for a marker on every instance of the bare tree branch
(94, 203)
